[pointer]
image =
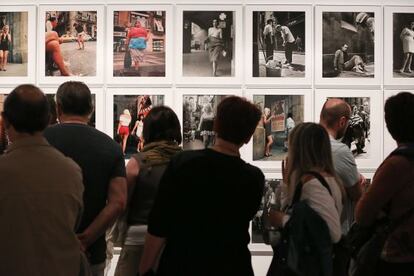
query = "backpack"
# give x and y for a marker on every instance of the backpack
(305, 247)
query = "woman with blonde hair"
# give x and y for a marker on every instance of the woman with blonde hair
(123, 128)
(5, 43)
(206, 125)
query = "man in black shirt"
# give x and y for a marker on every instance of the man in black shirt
(205, 202)
(102, 164)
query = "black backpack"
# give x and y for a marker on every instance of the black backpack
(305, 247)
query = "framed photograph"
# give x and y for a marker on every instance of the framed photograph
(97, 117)
(282, 110)
(196, 109)
(399, 42)
(126, 109)
(348, 47)
(18, 44)
(139, 44)
(278, 45)
(74, 41)
(260, 232)
(364, 133)
(209, 46)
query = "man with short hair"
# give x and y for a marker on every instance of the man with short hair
(40, 193)
(342, 62)
(269, 39)
(334, 118)
(102, 164)
(288, 42)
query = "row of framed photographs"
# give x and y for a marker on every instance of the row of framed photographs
(367, 137)
(271, 45)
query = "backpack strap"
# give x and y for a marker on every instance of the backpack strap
(298, 189)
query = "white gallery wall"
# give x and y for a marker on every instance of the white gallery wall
(302, 89)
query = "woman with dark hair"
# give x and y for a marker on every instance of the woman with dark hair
(162, 137)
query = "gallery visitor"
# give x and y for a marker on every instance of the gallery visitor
(103, 168)
(40, 193)
(192, 214)
(215, 45)
(162, 136)
(288, 42)
(123, 128)
(342, 62)
(137, 38)
(407, 39)
(206, 125)
(5, 44)
(391, 192)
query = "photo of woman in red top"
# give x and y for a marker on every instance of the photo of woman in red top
(137, 38)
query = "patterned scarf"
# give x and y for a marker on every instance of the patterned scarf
(159, 153)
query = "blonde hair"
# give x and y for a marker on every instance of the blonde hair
(126, 111)
(309, 149)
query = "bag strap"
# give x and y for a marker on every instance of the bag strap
(298, 189)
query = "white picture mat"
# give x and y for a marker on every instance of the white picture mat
(262, 247)
(389, 80)
(308, 117)
(376, 120)
(238, 48)
(169, 42)
(100, 42)
(31, 46)
(111, 92)
(99, 104)
(281, 82)
(321, 82)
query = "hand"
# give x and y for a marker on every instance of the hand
(275, 218)
(362, 182)
(85, 239)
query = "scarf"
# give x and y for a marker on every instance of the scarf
(160, 152)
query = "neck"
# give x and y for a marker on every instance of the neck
(16, 136)
(65, 119)
(226, 147)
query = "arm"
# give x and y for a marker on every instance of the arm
(132, 172)
(135, 127)
(355, 191)
(119, 126)
(152, 249)
(337, 53)
(117, 196)
(201, 121)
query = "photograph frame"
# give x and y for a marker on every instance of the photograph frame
(186, 81)
(389, 80)
(100, 44)
(31, 45)
(179, 101)
(276, 166)
(279, 82)
(367, 83)
(262, 248)
(99, 104)
(169, 47)
(376, 120)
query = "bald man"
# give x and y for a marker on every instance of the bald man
(334, 118)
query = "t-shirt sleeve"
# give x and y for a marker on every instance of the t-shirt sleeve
(119, 167)
(258, 181)
(345, 166)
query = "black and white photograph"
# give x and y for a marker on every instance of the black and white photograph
(280, 114)
(403, 45)
(261, 232)
(199, 112)
(278, 44)
(348, 44)
(129, 112)
(208, 43)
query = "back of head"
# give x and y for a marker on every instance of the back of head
(74, 98)
(399, 113)
(236, 120)
(332, 111)
(26, 108)
(161, 124)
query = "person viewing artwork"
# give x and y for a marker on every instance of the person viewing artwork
(288, 42)
(137, 38)
(5, 43)
(407, 39)
(215, 45)
(123, 128)
(342, 62)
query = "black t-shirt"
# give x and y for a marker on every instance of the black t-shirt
(100, 159)
(205, 202)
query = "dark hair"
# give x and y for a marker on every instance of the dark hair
(399, 113)
(290, 115)
(52, 19)
(26, 108)
(161, 123)
(343, 44)
(269, 21)
(74, 97)
(236, 120)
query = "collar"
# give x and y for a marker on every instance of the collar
(27, 142)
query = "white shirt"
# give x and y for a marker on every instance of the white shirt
(290, 124)
(287, 34)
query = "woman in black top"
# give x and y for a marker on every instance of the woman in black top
(205, 202)
(5, 42)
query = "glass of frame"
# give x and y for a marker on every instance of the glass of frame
(399, 31)
(209, 45)
(364, 135)
(136, 102)
(74, 41)
(282, 110)
(196, 109)
(148, 64)
(348, 46)
(20, 45)
(267, 55)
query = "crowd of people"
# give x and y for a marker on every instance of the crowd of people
(178, 212)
